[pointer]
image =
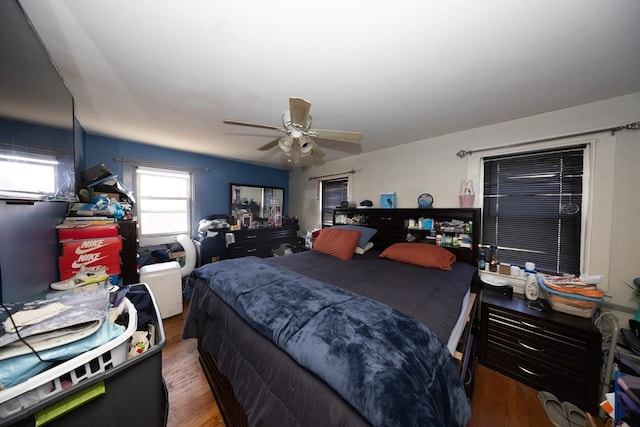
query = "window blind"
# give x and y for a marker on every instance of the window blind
(334, 191)
(532, 208)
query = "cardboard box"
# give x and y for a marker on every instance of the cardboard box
(80, 247)
(70, 265)
(81, 232)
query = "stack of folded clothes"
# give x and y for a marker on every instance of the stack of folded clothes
(573, 285)
(571, 294)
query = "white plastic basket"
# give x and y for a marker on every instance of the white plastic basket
(82, 367)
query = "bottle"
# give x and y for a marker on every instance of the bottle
(531, 284)
(481, 261)
(493, 259)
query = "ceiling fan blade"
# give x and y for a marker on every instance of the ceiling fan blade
(270, 145)
(299, 109)
(253, 125)
(336, 135)
(317, 152)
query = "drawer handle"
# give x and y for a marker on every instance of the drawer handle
(530, 347)
(386, 218)
(531, 325)
(253, 236)
(527, 371)
(251, 250)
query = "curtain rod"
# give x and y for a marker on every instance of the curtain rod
(352, 171)
(153, 163)
(630, 126)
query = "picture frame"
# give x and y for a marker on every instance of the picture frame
(388, 200)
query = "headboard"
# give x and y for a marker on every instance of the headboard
(430, 225)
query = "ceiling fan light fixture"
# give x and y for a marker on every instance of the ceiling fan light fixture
(306, 145)
(285, 144)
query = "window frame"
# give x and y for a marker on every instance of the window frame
(475, 169)
(129, 170)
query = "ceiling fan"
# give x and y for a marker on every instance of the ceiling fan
(296, 123)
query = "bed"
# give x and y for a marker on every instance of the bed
(314, 338)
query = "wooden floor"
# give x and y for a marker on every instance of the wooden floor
(498, 401)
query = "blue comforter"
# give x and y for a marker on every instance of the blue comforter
(387, 365)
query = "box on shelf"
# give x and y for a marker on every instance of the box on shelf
(81, 231)
(70, 265)
(388, 200)
(86, 246)
(564, 302)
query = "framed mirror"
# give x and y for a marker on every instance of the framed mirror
(37, 145)
(253, 206)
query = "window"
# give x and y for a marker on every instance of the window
(333, 191)
(164, 199)
(532, 205)
(32, 175)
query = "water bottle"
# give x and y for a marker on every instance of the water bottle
(531, 284)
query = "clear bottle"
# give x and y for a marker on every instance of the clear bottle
(493, 259)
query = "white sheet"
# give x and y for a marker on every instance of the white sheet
(458, 328)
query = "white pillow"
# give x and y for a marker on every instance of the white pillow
(361, 251)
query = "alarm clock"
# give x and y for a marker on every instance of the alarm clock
(425, 200)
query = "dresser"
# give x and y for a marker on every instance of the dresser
(260, 241)
(547, 350)
(129, 254)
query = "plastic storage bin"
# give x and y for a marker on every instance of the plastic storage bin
(50, 382)
(165, 281)
(575, 304)
(108, 389)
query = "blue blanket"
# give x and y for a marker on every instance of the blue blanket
(387, 365)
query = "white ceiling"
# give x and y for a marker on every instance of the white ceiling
(169, 72)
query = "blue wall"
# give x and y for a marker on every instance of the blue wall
(214, 186)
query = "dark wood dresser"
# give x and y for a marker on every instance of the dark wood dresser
(547, 350)
(260, 241)
(129, 255)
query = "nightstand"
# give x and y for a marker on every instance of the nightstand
(546, 350)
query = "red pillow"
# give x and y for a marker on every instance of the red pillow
(337, 242)
(422, 254)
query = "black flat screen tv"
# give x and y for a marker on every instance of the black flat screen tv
(36, 115)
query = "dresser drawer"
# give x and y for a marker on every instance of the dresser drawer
(240, 250)
(260, 241)
(537, 373)
(535, 338)
(546, 350)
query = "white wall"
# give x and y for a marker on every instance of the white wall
(432, 166)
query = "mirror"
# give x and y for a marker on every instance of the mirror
(255, 207)
(36, 116)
